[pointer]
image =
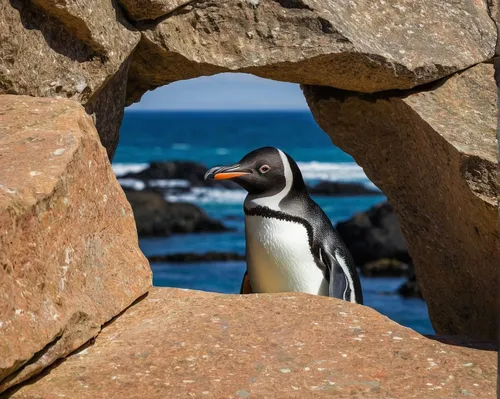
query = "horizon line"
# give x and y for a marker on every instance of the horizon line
(215, 109)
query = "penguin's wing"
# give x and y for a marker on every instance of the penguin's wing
(343, 281)
(246, 287)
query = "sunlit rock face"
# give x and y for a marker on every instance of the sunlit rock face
(405, 88)
(177, 343)
(69, 254)
(434, 154)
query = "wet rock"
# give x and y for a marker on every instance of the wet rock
(410, 288)
(69, 257)
(156, 217)
(374, 235)
(434, 153)
(192, 172)
(178, 343)
(341, 189)
(195, 257)
(386, 268)
(357, 45)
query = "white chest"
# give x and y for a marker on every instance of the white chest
(279, 258)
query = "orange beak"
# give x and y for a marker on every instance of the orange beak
(226, 172)
(229, 175)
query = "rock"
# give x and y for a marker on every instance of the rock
(330, 188)
(156, 217)
(151, 9)
(193, 172)
(178, 344)
(410, 288)
(195, 258)
(358, 45)
(386, 268)
(78, 50)
(494, 11)
(373, 235)
(69, 257)
(433, 152)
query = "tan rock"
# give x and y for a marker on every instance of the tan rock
(70, 49)
(434, 154)
(179, 344)
(360, 45)
(151, 9)
(69, 257)
(494, 10)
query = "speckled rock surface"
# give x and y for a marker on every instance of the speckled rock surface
(179, 344)
(69, 256)
(434, 155)
(71, 49)
(360, 45)
(151, 9)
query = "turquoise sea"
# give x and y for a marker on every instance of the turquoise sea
(215, 138)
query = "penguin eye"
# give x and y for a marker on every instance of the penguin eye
(264, 169)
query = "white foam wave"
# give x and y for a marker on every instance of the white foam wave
(331, 171)
(121, 169)
(132, 183)
(209, 195)
(173, 183)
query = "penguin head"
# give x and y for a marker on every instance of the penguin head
(263, 171)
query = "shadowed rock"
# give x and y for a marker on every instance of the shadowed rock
(72, 49)
(374, 235)
(156, 217)
(196, 258)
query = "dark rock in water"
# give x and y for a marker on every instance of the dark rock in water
(341, 189)
(193, 172)
(193, 257)
(410, 288)
(373, 235)
(156, 217)
(386, 268)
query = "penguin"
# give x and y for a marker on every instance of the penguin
(291, 245)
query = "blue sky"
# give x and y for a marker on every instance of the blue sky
(227, 91)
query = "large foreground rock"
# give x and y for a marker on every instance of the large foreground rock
(361, 45)
(70, 49)
(434, 155)
(69, 259)
(179, 344)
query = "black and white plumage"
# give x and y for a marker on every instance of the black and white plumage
(291, 244)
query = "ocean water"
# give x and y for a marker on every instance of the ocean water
(216, 138)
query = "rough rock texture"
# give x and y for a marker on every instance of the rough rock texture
(69, 257)
(434, 154)
(151, 9)
(76, 50)
(360, 45)
(156, 217)
(294, 346)
(494, 11)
